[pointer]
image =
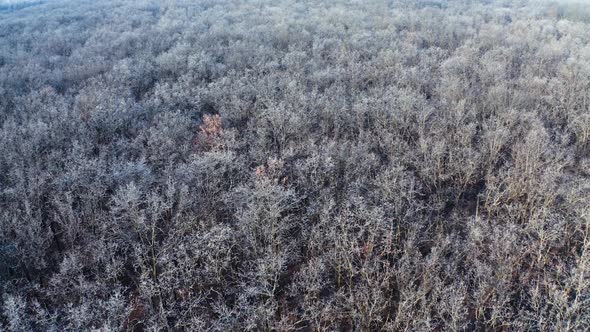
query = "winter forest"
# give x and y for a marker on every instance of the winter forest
(294, 165)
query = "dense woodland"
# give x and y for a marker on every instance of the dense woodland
(294, 165)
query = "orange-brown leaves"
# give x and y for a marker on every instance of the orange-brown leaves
(272, 171)
(209, 137)
(211, 126)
